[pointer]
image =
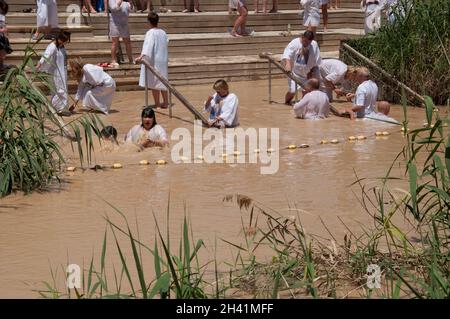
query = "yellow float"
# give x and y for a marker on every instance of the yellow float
(351, 138)
(144, 162)
(292, 147)
(323, 142)
(201, 157)
(304, 146)
(386, 133)
(361, 137)
(334, 141)
(71, 169)
(270, 150)
(236, 153)
(257, 150)
(117, 165)
(161, 162)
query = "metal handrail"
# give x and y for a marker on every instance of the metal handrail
(173, 91)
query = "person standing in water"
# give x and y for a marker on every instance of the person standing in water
(223, 106)
(155, 51)
(149, 133)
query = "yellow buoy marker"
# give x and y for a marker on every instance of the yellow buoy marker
(351, 138)
(71, 169)
(270, 150)
(323, 142)
(144, 162)
(117, 165)
(335, 141)
(236, 153)
(292, 147)
(378, 133)
(201, 157)
(304, 146)
(361, 137)
(257, 150)
(161, 162)
(224, 155)
(184, 158)
(386, 133)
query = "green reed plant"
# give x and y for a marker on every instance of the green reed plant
(30, 156)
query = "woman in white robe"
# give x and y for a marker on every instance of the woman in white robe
(155, 52)
(96, 87)
(54, 62)
(311, 14)
(149, 133)
(46, 17)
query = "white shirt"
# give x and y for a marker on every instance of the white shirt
(293, 52)
(225, 107)
(333, 70)
(139, 135)
(366, 95)
(313, 106)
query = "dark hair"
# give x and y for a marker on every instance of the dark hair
(62, 36)
(4, 7)
(309, 35)
(109, 131)
(4, 44)
(153, 18)
(149, 113)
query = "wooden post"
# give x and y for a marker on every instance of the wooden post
(170, 104)
(175, 92)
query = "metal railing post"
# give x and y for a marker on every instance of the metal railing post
(270, 82)
(146, 87)
(170, 104)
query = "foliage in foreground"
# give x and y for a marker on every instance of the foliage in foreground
(29, 154)
(303, 265)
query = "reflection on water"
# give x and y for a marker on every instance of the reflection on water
(68, 220)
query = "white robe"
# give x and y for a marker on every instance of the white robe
(313, 106)
(96, 89)
(311, 13)
(366, 96)
(47, 13)
(2, 22)
(226, 108)
(155, 51)
(372, 16)
(332, 70)
(139, 135)
(54, 63)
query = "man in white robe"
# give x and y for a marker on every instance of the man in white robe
(155, 51)
(46, 17)
(332, 72)
(314, 105)
(223, 106)
(302, 58)
(96, 89)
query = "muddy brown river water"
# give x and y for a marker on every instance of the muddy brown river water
(66, 222)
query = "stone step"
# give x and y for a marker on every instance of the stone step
(177, 5)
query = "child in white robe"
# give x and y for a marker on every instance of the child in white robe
(3, 12)
(314, 105)
(95, 89)
(148, 133)
(223, 106)
(54, 62)
(46, 17)
(156, 52)
(311, 14)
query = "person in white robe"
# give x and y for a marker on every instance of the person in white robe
(54, 62)
(46, 17)
(314, 105)
(302, 58)
(155, 52)
(372, 11)
(149, 133)
(222, 106)
(365, 100)
(3, 12)
(311, 14)
(332, 72)
(96, 87)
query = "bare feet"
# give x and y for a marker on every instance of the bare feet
(235, 34)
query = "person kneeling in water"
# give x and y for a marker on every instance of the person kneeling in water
(148, 133)
(315, 105)
(223, 106)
